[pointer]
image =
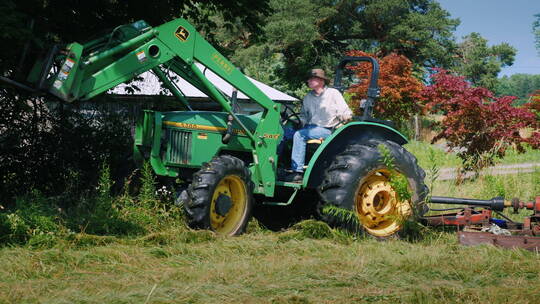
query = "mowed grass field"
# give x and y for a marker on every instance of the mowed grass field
(265, 267)
(309, 263)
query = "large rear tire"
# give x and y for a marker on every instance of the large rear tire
(359, 180)
(220, 197)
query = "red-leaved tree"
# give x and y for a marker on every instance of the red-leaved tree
(400, 90)
(477, 124)
(534, 106)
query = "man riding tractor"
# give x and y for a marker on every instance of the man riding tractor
(323, 109)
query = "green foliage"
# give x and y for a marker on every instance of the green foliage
(104, 182)
(429, 155)
(89, 240)
(45, 22)
(481, 64)
(347, 217)
(494, 186)
(411, 229)
(398, 181)
(433, 170)
(300, 35)
(148, 185)
(420, 30)
(255, 227)
(519, 85)
(53, 147)
(34, 221)
(386, 157)
(37, 220)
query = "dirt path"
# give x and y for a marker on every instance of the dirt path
(451, 173)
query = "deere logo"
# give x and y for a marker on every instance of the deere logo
(181, 33)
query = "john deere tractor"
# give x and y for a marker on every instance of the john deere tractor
(227, 161)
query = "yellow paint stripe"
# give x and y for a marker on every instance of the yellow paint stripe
(211, 128)
(194, 126)
(201, 127)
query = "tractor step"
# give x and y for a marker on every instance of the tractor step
(289, 184)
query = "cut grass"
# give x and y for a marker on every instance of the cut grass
(261, 268)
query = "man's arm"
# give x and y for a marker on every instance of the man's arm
(304, 113)
(343, 112)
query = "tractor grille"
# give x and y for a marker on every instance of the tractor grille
(179, 150)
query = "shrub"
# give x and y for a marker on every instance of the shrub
(51, 147)
(400, 90)
(477, 124)
(34, 220)
(38, 221)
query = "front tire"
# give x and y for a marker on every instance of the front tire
(358, 180)
(220, 197)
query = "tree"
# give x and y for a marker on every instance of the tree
(481, 64)
(308, 33)
(400, 90)
(292, 43)
(476, 123)
(519, 85)
(42, 22)
(418, 29)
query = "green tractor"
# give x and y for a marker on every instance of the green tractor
(227, 161)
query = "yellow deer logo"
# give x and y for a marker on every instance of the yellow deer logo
(181, 33)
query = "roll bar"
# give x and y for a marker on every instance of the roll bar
(373, 91)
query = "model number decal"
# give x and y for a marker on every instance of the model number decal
(222, 63)
(141, 56)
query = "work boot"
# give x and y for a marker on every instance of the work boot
(282, 173)
(294, 177)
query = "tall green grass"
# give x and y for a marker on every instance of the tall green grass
(40, 221)
(446, 159)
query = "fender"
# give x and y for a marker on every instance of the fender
(336, 143)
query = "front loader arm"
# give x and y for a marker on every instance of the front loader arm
(175, 46)
(182, 40)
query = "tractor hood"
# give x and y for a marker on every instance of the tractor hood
(209, 121)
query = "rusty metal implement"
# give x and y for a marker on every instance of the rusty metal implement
(473, 225)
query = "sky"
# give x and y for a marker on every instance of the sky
(500, 21)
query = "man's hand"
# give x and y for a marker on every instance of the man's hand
(342, 123)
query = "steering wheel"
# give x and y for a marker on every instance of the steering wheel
(293, 117)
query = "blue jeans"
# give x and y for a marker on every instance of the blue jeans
(300, 138)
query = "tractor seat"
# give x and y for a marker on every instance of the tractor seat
(311, 147)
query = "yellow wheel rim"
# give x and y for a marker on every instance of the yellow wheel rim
(377, 205)
(229, 205)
